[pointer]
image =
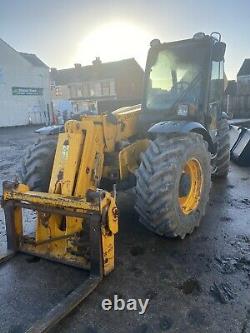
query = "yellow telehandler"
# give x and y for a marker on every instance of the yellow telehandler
(168, 148)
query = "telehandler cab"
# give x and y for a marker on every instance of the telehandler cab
(168, 148)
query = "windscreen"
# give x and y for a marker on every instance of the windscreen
(176, 76)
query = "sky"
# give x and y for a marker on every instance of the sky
(62, 32)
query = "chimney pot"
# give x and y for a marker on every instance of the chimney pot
(77, 66)
(97, 61)
(53, 69)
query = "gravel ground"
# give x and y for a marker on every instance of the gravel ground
(197, 285)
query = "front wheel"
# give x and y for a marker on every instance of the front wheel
(37, 164)
(173, 184)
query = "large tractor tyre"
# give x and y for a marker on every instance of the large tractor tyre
(223, 154)
(173, 184)
(37, 165)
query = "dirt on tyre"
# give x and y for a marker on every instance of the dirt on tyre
(36, 167)
(173, 184)
(223, 153)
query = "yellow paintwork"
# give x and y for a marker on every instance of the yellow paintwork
(79, 166)
(190, 202)
(108, 233)
(50, 200)
(129, 157)
(54, 248)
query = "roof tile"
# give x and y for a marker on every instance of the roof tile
(245, 68)
(92, 72)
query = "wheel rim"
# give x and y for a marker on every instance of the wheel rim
(191, 180)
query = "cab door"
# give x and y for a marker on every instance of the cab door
(215, 97)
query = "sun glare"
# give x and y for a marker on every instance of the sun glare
(114, 41)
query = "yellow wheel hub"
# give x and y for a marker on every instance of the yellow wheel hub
(193, 180)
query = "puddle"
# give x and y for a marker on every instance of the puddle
(190, 286)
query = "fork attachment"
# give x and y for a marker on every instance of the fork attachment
(90, 245)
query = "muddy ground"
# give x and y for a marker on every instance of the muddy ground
(200, 284)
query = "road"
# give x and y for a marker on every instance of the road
(196, 285)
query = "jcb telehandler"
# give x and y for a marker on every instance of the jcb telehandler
(168, 148)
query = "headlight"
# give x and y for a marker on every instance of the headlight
(182, 110)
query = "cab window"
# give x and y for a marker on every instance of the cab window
(217, 81)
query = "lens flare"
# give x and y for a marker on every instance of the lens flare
(114, 41)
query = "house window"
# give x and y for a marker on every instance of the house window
(75, 91)
(105, 88)
(216, 82)
(85, 90)
(108, 88)
(79, 92)
(98, 89)
(52, 83)
(71, 91)
(91, 89)
(112, 88)
(58, 91)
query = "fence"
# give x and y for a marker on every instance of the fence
(237, 106)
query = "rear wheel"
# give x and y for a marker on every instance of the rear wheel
(173, 184)
(37, 165)
(223, 153)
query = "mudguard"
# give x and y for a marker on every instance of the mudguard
(50, 130)
(240, 145)
(183, 126)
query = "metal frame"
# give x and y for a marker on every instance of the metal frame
(15, 243)
(62, 309)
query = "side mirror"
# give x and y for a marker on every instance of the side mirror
(218, 52)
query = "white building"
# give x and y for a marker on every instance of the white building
(24, 88)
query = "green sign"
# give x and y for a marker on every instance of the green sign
(25, 91)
